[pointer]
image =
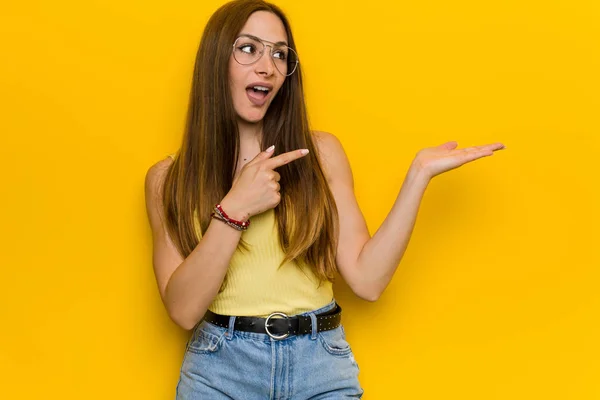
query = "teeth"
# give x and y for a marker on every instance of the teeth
(264, 89)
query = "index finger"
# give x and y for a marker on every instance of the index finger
(285, 158)
(491, 146)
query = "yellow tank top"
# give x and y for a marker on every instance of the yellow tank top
(256, 286)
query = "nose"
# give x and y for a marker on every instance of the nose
(264, 65)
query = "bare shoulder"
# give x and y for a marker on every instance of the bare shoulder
(157, 172)
(332, 155)
(326, 142)
(155, 177)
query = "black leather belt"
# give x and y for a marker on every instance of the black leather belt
(279, 328)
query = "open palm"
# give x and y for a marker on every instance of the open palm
(436, 160)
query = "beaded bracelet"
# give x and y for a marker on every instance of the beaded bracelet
(239, 228)
(219, 210)
(222, 216)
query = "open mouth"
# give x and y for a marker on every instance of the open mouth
(258, 94)
(259, 90)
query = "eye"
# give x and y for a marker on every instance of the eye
(247, 48)
(279, 54)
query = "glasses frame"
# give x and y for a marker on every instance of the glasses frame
(261, 52)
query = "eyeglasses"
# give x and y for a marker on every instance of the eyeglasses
(248, 49)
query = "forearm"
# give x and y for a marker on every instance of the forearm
(381, 254)
(196, 282)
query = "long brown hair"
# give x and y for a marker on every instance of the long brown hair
(202, 172)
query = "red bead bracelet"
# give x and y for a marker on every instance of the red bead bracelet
(242, 224)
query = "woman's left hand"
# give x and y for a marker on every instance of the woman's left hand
(433, 161)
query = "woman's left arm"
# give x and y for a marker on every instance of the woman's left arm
(367, 263)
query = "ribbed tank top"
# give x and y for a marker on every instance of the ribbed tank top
(254, 283)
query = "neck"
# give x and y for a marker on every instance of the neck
(250, 133)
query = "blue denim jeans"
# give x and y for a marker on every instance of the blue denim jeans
(222, 363)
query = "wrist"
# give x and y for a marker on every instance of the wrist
(233, 210)
(419, 174)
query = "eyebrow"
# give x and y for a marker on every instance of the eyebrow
(284, 43)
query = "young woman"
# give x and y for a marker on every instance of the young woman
(255, 213)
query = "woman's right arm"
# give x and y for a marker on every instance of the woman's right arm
(187, 286)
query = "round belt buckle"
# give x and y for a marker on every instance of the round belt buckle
(276, 337)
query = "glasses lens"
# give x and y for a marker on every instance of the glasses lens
(247, 50)
(285, 59)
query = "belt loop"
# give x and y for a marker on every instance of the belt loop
(313, 319)
(229, 333)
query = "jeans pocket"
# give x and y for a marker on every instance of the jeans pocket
(334, 341)
(206, 340)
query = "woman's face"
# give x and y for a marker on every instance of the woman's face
(251, 104)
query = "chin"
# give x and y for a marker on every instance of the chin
(252, 117)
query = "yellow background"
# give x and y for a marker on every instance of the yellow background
(497, 295)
